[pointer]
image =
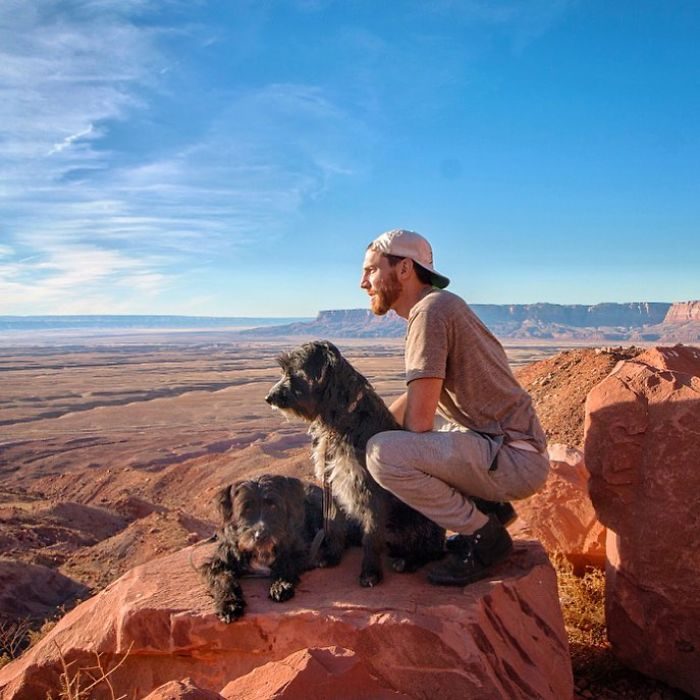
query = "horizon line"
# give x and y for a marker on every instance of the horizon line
(300, 316)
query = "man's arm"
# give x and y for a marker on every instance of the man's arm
(398, 408)
(415, 410)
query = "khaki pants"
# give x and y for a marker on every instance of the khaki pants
(437, 472)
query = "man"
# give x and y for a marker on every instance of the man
(490, 447)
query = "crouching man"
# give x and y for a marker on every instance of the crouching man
(471, 441)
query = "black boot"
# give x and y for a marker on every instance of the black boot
(474, 556)
(503, 510)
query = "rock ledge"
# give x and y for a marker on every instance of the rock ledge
(500, 638)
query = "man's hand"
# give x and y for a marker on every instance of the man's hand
(420, 404)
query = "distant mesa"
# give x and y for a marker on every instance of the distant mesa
(643, 322)
(340, 323)
(637, 321)
(683, 312)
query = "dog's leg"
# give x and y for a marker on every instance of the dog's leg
(285, 574)
(333, 520)
(413, 541)
(335, 537)
(222, 573)
(373, 542)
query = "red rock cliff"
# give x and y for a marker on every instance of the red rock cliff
(682, 312)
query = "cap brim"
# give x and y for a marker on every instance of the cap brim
(436, 279)
(439, 281)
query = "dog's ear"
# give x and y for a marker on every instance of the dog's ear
(284, 360)
(224, 501)
(324, 355)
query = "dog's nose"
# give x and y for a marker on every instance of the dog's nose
(276, 397)
(260, 534)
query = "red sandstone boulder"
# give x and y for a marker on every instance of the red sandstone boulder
(501, 638)
(561, 515)
(182, 690)
(311, 674)
(643, 452)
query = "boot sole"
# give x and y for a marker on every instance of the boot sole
(437, 579)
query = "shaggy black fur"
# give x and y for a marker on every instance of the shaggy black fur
(268, 526)
(321, 386)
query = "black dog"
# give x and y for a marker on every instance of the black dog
(321, 386)
(268, 526)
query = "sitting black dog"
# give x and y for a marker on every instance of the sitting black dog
(269, 524)
(320, 386)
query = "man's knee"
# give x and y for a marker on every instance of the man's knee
(383, 457)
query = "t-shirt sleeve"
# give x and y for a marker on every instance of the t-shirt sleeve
(426, 346)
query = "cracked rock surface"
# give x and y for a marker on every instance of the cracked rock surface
(502, 637)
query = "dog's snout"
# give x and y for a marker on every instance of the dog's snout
(260, 533)
(278, 396)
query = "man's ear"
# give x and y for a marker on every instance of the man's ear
(406, 266)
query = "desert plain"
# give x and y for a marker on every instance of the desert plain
(113, 447)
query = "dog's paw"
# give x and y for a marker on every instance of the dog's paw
(400, 565)
(231, 610)
(328, 560)
(281, 590)
(369, 579)
(405, 565)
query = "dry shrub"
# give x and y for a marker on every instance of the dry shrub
(582, 601)
(14, 638)
(35, 635)
(82, 682)
(16, 635)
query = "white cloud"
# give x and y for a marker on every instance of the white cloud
(70, 140)
(93, 222)
(69, 278)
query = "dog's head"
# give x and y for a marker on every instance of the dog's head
(306, 372)
(261, 514)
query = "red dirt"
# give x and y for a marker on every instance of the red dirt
(559, 386)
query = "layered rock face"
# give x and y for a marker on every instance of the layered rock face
(683, 311)
(642, 449)
(561, 515)
(499, 638)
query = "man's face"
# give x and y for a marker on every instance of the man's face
(380, 281)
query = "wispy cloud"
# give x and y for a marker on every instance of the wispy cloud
(83, 214)
(70, 140)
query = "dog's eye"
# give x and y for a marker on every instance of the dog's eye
(271, 504)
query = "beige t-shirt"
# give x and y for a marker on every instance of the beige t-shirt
(446, 339)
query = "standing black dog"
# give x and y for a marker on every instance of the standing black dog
(321, 386)
(268, 526)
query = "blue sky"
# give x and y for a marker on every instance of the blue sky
(235, 158)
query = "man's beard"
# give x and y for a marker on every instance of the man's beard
(386, 295)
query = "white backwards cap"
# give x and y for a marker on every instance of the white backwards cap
(409, 244)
